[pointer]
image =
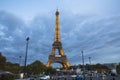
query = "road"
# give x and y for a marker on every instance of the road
(107, 78)
(88, 78)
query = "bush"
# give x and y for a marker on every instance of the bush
(7, 77)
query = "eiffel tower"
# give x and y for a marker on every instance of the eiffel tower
(57, 45)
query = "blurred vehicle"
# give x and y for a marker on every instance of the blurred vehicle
(79, 77)
(113, 72)
(44, 77)
(73, 76)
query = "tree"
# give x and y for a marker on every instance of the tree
(12, 67)
(7, 77)
(118, 68)
(2, 62)
(36, 67)
(50, 70)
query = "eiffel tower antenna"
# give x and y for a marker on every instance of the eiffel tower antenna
(57, 45)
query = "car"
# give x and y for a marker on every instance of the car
(73, 76)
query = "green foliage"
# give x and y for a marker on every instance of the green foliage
(2, 61)
(36, 67)
(99, 67)
(50, 70)
(7, 77)
(14, 68)
(118, 68)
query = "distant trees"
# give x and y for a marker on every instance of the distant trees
(118, 68)
(50, 70)
(4, 66)
(8, 66)
(36, 67)
(7, 77)
(98, 67)
(2, 62)
(12, 67)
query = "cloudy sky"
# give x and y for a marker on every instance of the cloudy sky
(89, 25)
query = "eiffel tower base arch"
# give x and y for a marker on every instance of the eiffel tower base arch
(58, 59)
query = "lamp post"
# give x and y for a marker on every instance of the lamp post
(19, 60)
(90, 68)
(19, 63)
(89, 60)
(27, 39)
(83, 65)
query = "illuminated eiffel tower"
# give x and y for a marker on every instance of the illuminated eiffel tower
(57, 45)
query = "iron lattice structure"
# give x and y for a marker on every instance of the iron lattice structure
(57, 45)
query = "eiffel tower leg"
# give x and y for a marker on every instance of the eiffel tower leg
(48, 63)
(53, 51)
(68, 64)
(64, 66)
(61, 52)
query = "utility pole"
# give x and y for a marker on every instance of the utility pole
(19, 60)
(90, 68)
(19, 64)
(83, 65)
(25, 67)
(90, 60)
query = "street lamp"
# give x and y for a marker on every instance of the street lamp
(90, 60)
(27, 39)
(90, 68)
(19, 63)
(83, 65)
(19, 60)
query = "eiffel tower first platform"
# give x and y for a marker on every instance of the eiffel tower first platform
(57, 45)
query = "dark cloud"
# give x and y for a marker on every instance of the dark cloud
(98, 37)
